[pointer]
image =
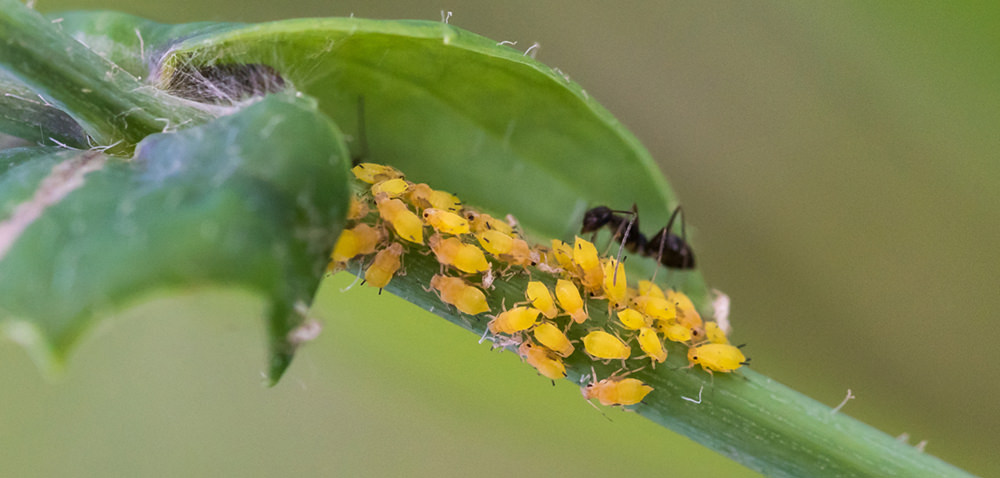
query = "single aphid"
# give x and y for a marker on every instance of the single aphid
(687, 315)
(617, 391)
(588, 264)
(356, 241)
(673, 331)
(404, 222)
(563, 254)
(655, 307)
(446, 221)
(651, 343)
(482, 222)
(603, 345)
(453, 252)
(393, 188)
(357, 209)
(715, 334)
(384, 266)
(422, 196)
(521, 254)
(569, 299)
(538, 294)
(615, 288)
(495, 242)
(547, 334)
(543, 360)
(514, 320)
(372, 173)
(632, 319)
(457, 292)
(717, 357)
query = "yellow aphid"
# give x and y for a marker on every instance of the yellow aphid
(715, 334)
(651, 343)
(615, 288)
(514, 320)
(521, 254)
(655, 307)
(547, 334)
(482, 222)
(422, 196)
(543, 360)
(563, 254)
(404, 222)
(650, 289)
(617, 391)
(357, 209)
(632, 319)
(384, 266)
(603, 345)
(569, 299)
(585, 254)
(687, 315)
(457, 292)
(673, 331)
(361, 239)
(391, 187)
(446, 221)
(372, 173)
(588, 265)
(453, 252)
(717, 357)
(495, 242)
(538, 294)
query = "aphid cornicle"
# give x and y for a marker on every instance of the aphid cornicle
(404, 222)
(717, 357)
(617, 391)
(514, 320)
(457, 292)
(602, 345)
(384, 266)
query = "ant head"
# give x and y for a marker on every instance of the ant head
(595, 218)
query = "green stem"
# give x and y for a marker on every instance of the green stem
(745, 416)
(111, 105)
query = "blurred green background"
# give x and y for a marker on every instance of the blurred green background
(838, 164)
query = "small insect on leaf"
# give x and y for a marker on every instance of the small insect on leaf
(446, 221)
(543, 360)
(356, 241)
(384, 266)
(457, 292)
(547, 334)
(514, 320)
(569, 299)
(538, 294)
(372, 173)
(652, 345)
(717, 357)
(602, 345)
(404, 222)
(617, 391)
(453, 252)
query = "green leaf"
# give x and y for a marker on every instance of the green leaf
(26, 116)
(449, 107)
(224, 204)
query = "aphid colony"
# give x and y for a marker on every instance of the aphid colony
(392, 215)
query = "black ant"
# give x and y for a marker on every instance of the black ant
(671, 250)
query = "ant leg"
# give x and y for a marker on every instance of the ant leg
(362, 134)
